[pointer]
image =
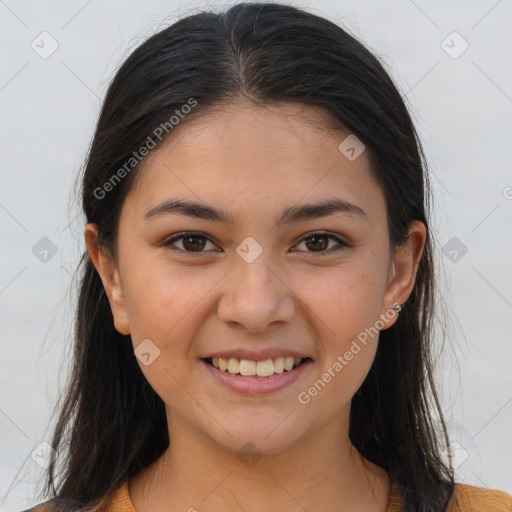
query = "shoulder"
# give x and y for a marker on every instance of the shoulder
(42, 507)
(468, 498)
(63, 505)
(116, 500)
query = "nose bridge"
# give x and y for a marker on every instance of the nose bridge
(253, 270)
(255, 295)
(256, 275)
(254, 258)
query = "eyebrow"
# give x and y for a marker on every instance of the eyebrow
(289, 215)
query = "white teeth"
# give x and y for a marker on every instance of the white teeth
(233, 365)
(279, 365)
(288, 363)
(265, 368)
(247, 367)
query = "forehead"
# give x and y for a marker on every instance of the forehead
(242, 155)
(239, 130)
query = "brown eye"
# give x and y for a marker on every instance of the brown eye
(318, 242)
(191, 242)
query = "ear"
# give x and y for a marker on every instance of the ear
(402, 272)
(109, 274)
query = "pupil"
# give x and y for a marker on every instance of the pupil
(319, 245)
(187, 239)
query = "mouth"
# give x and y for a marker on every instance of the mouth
(257, 369)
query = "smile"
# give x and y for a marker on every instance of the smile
(253, 383)
(246, 367)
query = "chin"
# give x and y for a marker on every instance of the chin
(259, 440)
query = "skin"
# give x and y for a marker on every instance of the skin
(254, 162)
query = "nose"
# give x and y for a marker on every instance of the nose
(256, 296)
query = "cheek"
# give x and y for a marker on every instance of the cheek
(346, 308)
(167, 306)
(344, 373)
(346, 299)
(166, 303)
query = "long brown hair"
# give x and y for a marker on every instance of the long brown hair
(111, 423)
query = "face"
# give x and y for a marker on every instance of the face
(310, 284)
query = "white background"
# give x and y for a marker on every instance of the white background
(462, 107)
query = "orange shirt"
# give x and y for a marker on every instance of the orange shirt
(466, 498)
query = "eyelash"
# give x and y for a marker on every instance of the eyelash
(341, 243)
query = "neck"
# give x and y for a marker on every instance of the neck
(196, 472)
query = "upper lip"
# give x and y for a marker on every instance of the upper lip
(260, 355)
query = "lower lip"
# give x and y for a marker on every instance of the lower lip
(257, 385)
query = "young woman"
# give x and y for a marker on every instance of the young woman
(254, 324)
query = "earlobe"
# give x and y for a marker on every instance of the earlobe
(403, 272)
(109, 274)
